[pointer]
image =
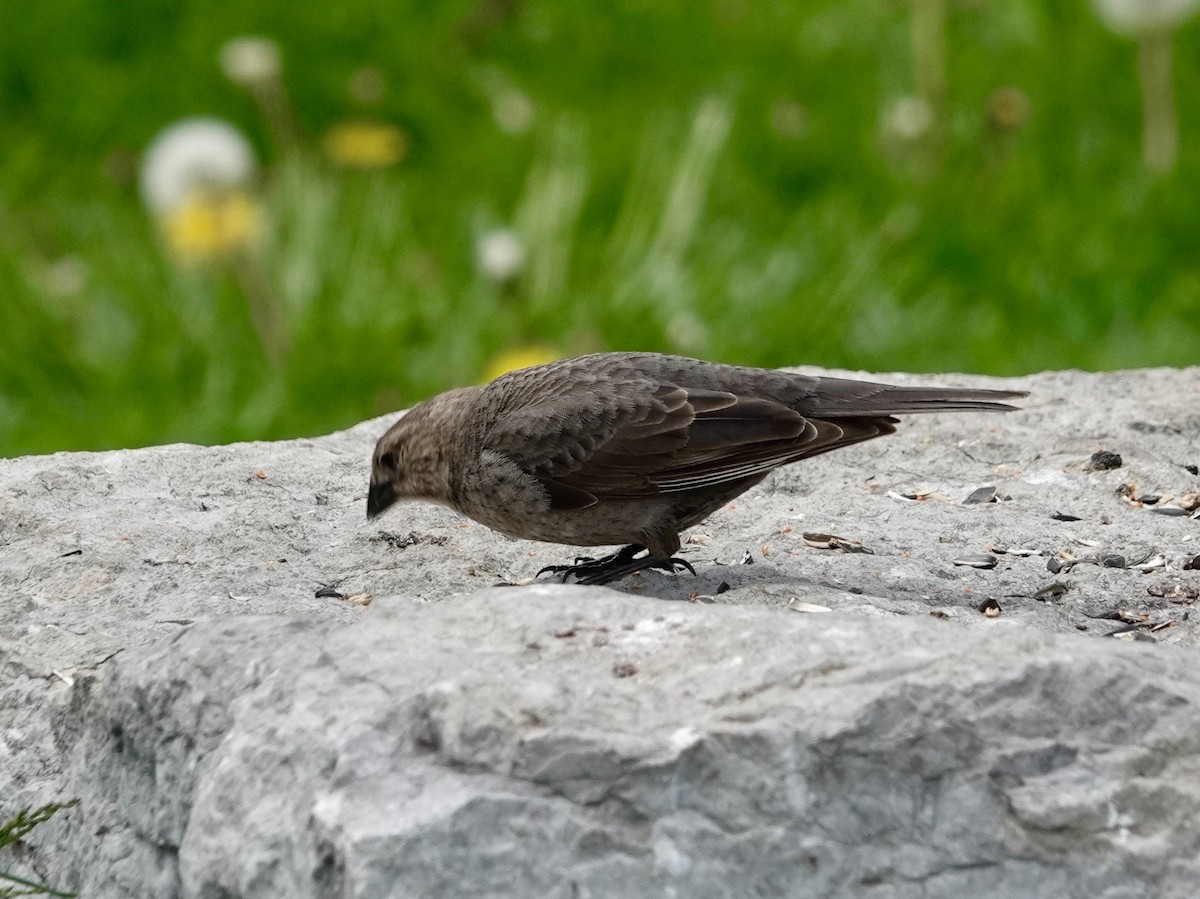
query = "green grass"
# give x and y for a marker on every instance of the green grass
(660, 207)
(16, 829)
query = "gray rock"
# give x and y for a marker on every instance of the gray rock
(230, 734)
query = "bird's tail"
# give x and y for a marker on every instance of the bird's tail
(837, 397)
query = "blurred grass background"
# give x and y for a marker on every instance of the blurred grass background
(754, 182)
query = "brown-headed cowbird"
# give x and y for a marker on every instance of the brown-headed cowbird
(629, 448)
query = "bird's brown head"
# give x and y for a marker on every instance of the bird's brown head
(408, 463)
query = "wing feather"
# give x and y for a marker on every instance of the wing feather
(635, 424)
(643, 438)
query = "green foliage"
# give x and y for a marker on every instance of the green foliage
(17, 828)
(703, 178)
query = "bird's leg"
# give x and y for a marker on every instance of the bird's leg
(613, 567)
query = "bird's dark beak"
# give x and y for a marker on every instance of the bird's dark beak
(379, 498)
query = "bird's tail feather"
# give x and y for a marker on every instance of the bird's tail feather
(837, 397)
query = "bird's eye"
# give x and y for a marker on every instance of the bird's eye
(387, 460)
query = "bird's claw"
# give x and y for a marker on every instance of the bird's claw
(606, 569)
(580, 562)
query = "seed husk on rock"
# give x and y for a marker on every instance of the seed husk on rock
(919, 496)
(1001, 550)
(1062, 562)
(1052, 591)
(981, 495)
(1132, 633)
(1121, 615)
(1172, 511)
(980, 560)
(799, 605)
(832, 541)
(1174, 592)
(1150, 562)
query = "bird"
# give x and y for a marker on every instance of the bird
(629, 448)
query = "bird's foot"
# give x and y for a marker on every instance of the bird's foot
(613, 567)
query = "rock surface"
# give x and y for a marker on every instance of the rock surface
(817, 723)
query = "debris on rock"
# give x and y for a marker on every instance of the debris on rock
(990, 607)
(979, 560)
(1104, 461)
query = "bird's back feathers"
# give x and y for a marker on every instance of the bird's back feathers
(639, 424)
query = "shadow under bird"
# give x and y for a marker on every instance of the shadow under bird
(629, 448)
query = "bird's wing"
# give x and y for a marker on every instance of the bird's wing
(644, 437)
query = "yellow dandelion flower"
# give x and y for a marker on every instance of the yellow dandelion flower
(519, 357)
(361, 144)
(209, 225)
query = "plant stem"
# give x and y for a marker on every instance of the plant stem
(1160, 131)
(36, 887)
(929, 53)
(266, 311)
(272, 101)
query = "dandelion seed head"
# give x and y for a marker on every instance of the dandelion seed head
(194, 155)
(66, 276)
(250, 60)
(500, 254)
(907, 119)
(687, 331)
(1132, 17)
(513, 111)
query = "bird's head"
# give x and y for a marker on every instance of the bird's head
(410, 461)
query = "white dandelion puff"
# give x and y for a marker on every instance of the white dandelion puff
(1152, 24)
(907, 119)
(250, 60)
(500, 254)
(513, 111)
(1130, 17)
(194, 155)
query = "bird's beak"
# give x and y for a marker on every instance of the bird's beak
(381, 495)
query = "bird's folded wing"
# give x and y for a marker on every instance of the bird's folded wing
(643, 439)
